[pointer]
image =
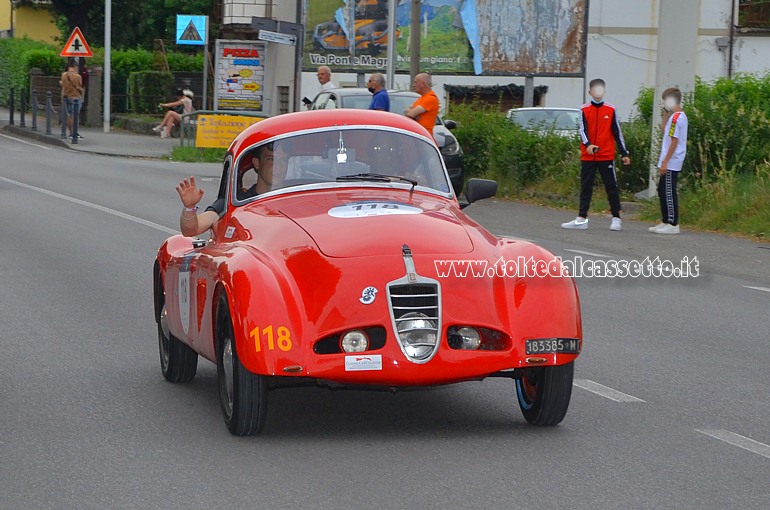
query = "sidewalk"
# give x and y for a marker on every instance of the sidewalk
(95, 140)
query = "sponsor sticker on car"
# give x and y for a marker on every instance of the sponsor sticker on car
(363, 362)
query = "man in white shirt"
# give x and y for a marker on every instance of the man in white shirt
(325, 78)
(672, 153)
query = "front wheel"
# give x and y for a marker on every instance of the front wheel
(242, 394)
(544, 393)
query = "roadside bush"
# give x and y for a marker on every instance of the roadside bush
(147, 89)
(48, 61)
(14, 70)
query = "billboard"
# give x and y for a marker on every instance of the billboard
(240, 75)
(482, 37)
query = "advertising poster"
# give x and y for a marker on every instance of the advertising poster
(218, 131)
(240, 75)
(482, 37)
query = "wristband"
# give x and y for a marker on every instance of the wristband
(191, 209)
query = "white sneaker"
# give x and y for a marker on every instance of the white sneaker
(577, 224)
(616, 224)
(667, 229)
(164, 133)
(656, 227)
(156, 128)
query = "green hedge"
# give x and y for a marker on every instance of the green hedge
(15, 58)
(729, 125)
(18, 56)
(147, 89)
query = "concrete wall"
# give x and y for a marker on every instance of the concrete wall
(280, 57)
(36, 24)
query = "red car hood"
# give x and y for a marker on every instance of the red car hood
(361, 223)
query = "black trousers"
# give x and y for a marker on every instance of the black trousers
(669, 199)
(588, 175)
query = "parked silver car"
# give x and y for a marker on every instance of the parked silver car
(562, 121)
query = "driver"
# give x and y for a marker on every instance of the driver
(270, 167)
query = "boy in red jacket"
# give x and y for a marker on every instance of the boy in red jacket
(599, 134)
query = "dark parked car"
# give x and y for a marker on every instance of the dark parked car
(399, 101)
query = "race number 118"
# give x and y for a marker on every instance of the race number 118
(280, 337)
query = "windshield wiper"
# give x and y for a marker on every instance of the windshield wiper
(376, 178)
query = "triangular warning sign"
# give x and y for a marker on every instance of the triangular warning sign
(76, 46)
(191, 33)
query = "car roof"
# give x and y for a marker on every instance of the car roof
(318, 119)
(362, 91)
(549, 108)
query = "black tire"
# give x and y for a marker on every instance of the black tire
(242, 394)
(177, 361)
(544, 393)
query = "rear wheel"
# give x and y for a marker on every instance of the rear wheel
(242, 394)
(544, 393)
(177, 361)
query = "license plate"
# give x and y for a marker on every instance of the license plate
(553, 346)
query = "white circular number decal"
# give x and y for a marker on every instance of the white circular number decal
(365, 209)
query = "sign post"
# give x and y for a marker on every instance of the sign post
(194, 31)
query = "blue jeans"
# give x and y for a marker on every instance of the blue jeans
(71, 103)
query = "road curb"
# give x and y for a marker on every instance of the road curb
(37, 135)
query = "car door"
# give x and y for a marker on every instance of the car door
(325, 101)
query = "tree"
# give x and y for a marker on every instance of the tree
(134, 23)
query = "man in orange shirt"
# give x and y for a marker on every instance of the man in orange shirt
(425, 109)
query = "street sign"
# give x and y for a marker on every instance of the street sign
(191, 30)
(276, 37)
(76, 46)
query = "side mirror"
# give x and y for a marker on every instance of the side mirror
(479, 189)
(450, 124)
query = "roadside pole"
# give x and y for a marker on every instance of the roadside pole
(107, 63)
(206, 65)
(414, 41)
(675, 67)
(391, 67)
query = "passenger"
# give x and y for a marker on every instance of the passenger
(271, 169)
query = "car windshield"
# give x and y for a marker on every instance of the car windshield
(323, 156)
(546, 119)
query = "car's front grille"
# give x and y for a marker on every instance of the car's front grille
(415, 309)
(414, 298)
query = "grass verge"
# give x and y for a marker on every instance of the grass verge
(198, 155)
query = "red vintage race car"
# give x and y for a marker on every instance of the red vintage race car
(359, 269)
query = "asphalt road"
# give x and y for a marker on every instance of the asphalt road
(670, 410)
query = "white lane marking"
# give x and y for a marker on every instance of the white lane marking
(764, 289)
(589, 253)
(739, 441)
(94, 206)
(24, 141)
(604, 391)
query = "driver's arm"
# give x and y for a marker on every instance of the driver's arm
(190, 223)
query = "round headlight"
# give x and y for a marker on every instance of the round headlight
(417, 334)
(471, 338)
(354, 341)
